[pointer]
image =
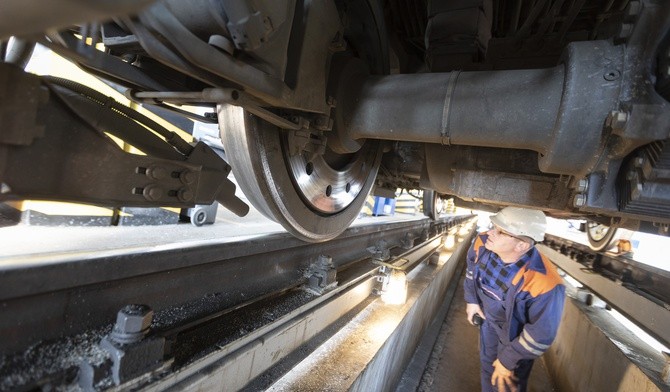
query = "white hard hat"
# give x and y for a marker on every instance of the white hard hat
(522, 222)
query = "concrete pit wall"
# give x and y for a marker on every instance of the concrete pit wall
(585, 357)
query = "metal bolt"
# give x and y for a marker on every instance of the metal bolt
(583, 185)
(580, 200)
(187, 177)
(134, 318)
(325, 260)
(132, 323)
(152, 193)
(157, 172)
(639, 161)
(185, 194)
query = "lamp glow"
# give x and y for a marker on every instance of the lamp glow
(450, 241)
(394, 291)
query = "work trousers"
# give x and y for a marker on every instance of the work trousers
(489, 344)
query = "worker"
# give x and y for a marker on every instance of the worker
(517, 296)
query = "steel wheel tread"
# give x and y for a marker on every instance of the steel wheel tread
(255, 150)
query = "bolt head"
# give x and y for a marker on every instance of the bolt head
(185, 194)
(580, 200)
(134, 318)
(157, 172)
(325, 261)
(152, 193)
(187, 177)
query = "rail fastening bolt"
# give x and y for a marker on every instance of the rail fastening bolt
(134, 318)
(580, 200)
(132, 324)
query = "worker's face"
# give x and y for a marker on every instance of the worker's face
(502, 242)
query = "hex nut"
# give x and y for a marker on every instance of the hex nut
(134, 319)
(580, 200)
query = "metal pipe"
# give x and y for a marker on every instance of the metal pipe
(510, 109)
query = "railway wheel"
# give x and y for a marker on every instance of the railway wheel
(433, 205)
(294, 177)
(600, 236)
(315, 196)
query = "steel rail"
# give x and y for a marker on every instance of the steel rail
(277, 339)
(640, 292)
(70, 294)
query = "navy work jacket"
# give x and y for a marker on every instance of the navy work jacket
(533, 304)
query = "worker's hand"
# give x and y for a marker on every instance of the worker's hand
(503, 378)
(471, 310)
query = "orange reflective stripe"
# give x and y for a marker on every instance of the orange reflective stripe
(537, 283)
(478, 243)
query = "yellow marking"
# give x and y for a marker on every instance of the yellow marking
(61, 208)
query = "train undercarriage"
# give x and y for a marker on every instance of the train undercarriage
(556, 105)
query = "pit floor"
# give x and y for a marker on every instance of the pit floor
(456, 356)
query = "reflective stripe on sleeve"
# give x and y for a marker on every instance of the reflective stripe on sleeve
(531, 345)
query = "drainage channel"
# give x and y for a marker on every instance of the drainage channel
(233, 309)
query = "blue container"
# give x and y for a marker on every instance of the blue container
(383, 206)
